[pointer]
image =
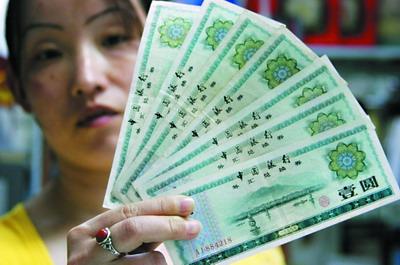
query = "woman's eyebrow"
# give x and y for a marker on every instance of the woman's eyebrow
(103, 13)
(40, 25)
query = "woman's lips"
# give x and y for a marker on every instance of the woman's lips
(97, 117)
(100, 121)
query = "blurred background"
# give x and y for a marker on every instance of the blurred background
(361, 37)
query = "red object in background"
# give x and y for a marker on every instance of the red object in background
(366, 31)
(253, 5)
(361, 29)
(262, 7)
(331, 33)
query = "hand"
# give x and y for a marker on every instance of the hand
(136, 228)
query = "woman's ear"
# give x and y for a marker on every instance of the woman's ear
(16, 89)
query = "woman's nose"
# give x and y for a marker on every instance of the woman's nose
(89, 72)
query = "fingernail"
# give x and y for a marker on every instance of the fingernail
(187, 205)
(193, 227)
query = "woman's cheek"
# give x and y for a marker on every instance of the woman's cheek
(46, 98)
(125, 66)
(40, 91)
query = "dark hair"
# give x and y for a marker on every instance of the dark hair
(13, 30)
(13, 27)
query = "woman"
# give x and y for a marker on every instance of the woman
(71, 66)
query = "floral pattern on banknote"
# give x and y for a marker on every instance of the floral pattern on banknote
(245, 50)
(174, 31)
(280, 69)
(325, 122)
(347, 160)
(310, 94)
(217, 32)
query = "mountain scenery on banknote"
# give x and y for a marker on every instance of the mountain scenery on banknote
(232, 109)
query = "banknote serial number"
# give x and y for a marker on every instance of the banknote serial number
(288, 230)
(213, 246)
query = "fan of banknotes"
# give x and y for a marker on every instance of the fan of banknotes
(230, 108)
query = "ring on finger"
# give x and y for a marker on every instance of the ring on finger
(103, 238)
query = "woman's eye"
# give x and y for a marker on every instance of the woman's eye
(46, 55)
(114, 40)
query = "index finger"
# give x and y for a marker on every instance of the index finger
(169, 206)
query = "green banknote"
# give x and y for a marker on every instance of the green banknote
(277, 61)
(286, 194)
(224, 64)
(329, 111)
(230, 108)
(310, 83)
(285, 57)
(162, 51)
(156, 54)
(214, 21)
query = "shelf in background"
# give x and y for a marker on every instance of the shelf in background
(358, 52)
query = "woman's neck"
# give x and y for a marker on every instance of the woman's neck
(69, 200)
(83, 189)
(72, 198)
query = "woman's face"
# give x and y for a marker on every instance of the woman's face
(76, 68)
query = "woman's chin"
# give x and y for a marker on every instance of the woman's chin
(104, 139)
(93, 148)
